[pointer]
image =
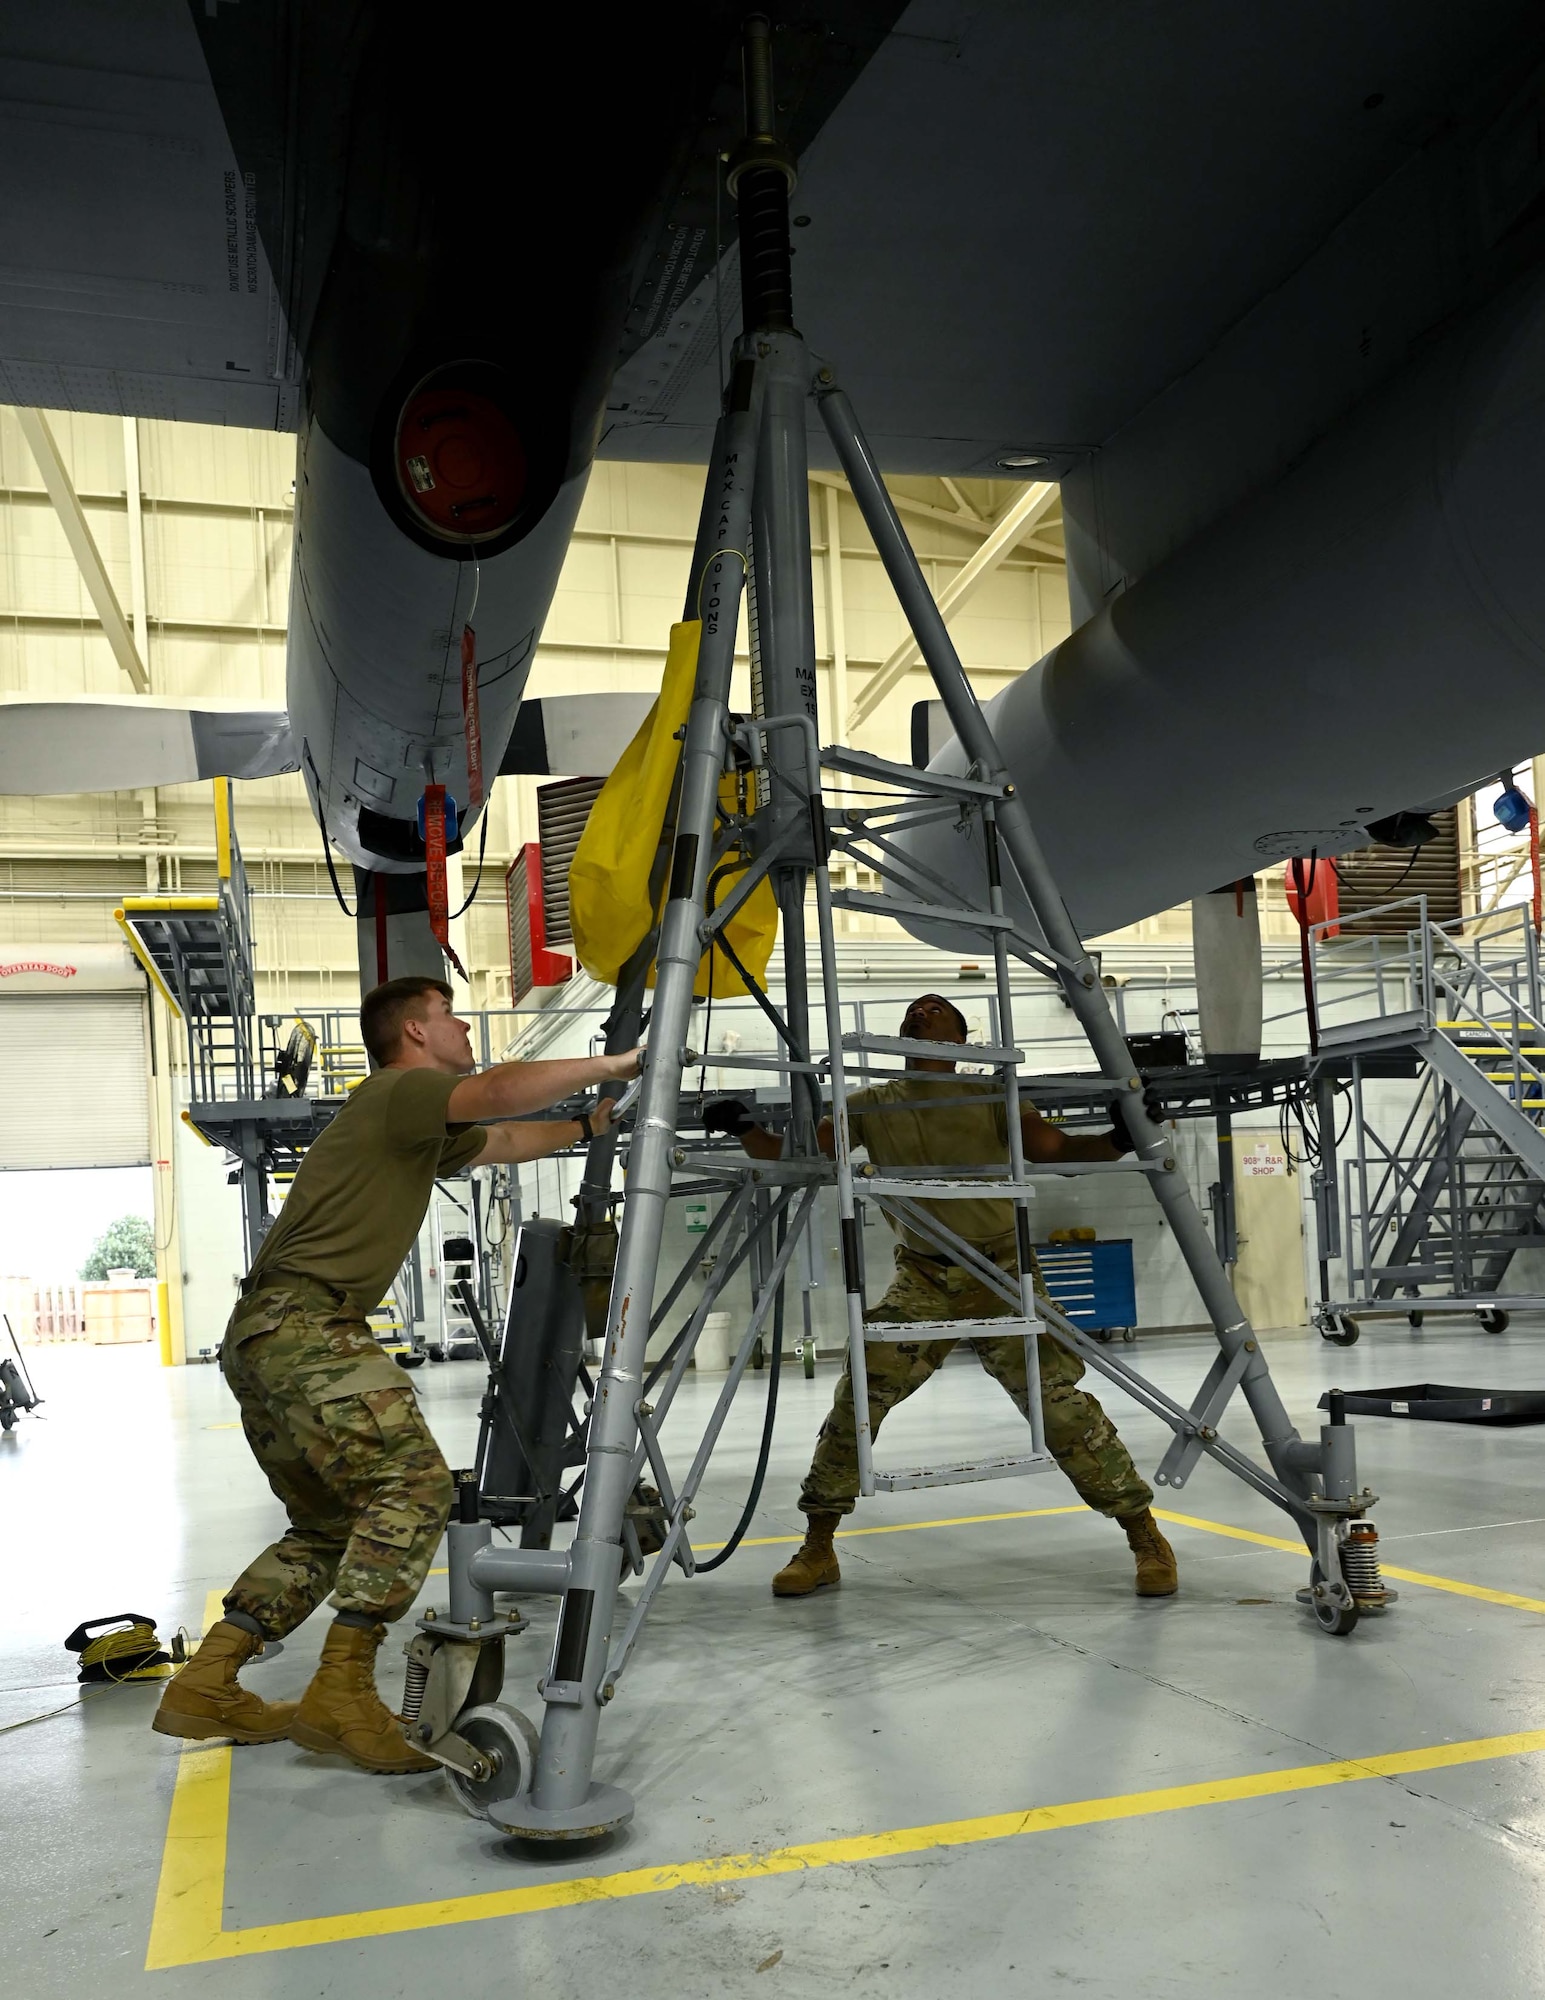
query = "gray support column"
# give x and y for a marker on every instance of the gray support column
(1080, 979)
(1227, 1217)
(1327, 1195)
(624, 1024)
(574, 1690)
(254, 1190)
(783, 608)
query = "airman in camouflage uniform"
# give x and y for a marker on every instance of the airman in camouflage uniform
(332, 1423)
(340, 1438)
(1079, 1435)
(929, 1116)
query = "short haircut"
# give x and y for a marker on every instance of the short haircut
(385, 1008)
(960, 1019)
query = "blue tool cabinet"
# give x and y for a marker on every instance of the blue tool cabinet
(1092, 1283)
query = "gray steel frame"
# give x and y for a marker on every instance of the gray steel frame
(793, 832)
(754, 537)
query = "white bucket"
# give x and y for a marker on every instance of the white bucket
(712, 1353)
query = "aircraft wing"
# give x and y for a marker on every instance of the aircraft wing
(573, 735)
(96, 743)
(133, 275)
(99, 743)
(1156, 250)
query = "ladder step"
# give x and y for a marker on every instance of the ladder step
(866, 1185)
(967, 1473)
(949, 1329)
(772, 1059)
(907, 1045)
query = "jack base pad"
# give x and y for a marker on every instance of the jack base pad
(603, 1810)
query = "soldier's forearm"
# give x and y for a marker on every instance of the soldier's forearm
(1091, 1146)
(514, 1144)
(509, 1090)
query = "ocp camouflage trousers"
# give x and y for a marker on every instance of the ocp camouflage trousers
(341, 1440)
(1079, 1435)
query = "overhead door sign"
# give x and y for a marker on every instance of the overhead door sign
(19, 968)
(58, 966)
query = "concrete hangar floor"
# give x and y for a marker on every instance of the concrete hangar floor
(980, 1767)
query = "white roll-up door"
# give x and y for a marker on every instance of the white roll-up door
(74, 1089)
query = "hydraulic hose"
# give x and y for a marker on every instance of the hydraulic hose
(774, 1370)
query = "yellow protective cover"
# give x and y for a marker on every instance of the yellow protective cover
(609, 904)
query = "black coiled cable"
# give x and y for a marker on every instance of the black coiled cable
(774, 1369)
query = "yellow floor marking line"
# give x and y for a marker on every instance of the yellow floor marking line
(888, 1528)
(1448, 1583)
(188, 1926)
(901, 1527)
(1422, 1577)
(190, 1896)
(1459, 1589)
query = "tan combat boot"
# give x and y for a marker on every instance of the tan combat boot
(1156, 1572)
(342, 1713)
(815, 1564)
(206, 1699)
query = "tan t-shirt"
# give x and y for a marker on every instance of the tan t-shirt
(916, 1120)
(361, 1194)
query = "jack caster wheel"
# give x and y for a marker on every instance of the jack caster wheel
(1415, 1318)
(807, 1358)
(1337, 1619)
(1342, 1331)
(1492, 1320)
(509, 1741)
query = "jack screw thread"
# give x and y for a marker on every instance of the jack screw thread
(766, 265)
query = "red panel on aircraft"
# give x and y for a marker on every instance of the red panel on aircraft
(460, 463)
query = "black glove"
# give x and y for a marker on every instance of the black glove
(1120, 1133)
(729, 1115)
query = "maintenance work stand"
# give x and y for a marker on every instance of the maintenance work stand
(753, 542)
(1428, 1194)
(247, 1093)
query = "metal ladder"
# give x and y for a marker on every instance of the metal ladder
(898, 795)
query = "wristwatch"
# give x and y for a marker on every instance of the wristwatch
(585, 1126)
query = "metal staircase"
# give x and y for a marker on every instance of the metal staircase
(197, 949)
(1432, 1203)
